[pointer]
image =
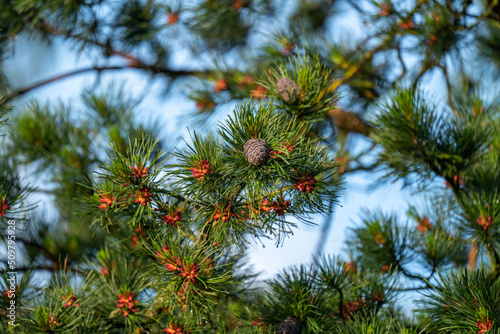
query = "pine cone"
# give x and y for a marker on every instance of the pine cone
(256, 151)
(289, 326)
(288, 89)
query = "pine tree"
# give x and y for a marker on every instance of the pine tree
(152, 238)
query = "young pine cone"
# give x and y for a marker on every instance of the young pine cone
(256, 151)
(288, 89)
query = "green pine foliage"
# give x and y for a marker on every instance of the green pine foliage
(436, 142)
(317, 87)
(464, 302)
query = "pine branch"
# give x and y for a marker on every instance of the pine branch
(109, 50)
(349, 122)
(417, 288)
(53, 269)
(495, 259)
(4, 313)
(38, 246)
(355, 5)
(341, 302)
(413, 276)
(56, 78)
(172, 73)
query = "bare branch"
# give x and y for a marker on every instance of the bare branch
(154, 70)
(39, 84)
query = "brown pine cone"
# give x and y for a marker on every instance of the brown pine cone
(256, 151)
(290, 326)
(288, 89)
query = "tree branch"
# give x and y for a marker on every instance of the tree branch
(494, 258)
(39, 84)
(349, 122)
(153, 69)
(46, 268)
(416, 288)
(40, 247)
(341, 302)
(412, 276)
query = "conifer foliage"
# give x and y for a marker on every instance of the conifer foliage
(144, 237)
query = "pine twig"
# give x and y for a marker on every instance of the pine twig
(341, 302)
(56, 78)
(99, 69)
(45, 268)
